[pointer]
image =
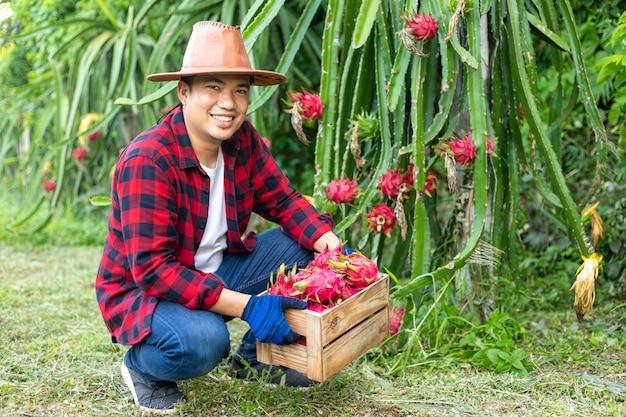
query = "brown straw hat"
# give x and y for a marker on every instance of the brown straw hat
(216, 48)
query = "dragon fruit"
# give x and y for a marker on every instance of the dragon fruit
(322, 285)
(422, 26)
(327, 256)
(395, 320)
(329, 279)
(342, 191)
(360, 270)
(381, 219)
(283, 283)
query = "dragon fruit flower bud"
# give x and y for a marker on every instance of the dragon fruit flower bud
(342, 191)
(381, 219)
(368, 125)
(422, 26)
(311, 104)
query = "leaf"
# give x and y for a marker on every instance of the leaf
(154, 96)
(260, 22)
(365, 22)
(291, 50)
(107, 12)
(100, 201)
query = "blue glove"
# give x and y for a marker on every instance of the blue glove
(266, 318)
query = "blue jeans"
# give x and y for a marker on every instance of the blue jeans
(187, 343)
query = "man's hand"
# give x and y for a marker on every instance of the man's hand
(265, 315)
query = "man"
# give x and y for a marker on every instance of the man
(177, 261)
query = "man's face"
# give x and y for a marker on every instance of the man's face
(215, 106)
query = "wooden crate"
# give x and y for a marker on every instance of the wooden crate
(334, 337)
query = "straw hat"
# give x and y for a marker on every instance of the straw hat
(216, 48)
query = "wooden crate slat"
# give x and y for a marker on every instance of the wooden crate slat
(335, 337)
(354, 343)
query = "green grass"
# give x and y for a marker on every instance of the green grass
(56, 358)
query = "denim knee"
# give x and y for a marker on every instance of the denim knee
(183, 344)
(202, 353)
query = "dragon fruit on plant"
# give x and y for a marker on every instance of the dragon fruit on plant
(395, 320)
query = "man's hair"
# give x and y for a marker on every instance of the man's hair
(188, 79)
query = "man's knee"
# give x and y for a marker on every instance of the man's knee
(204, 352)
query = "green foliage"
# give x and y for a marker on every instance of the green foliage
(68, 227)
(91, 59)
(550, 93)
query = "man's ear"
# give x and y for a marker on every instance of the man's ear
(183, 90)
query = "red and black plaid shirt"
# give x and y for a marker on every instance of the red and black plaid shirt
(158, 215)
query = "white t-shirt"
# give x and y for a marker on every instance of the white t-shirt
(210, 253)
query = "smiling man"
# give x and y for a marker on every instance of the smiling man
(178, 261)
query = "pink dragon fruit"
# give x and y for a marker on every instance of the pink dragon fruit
(79, 154)
(49, 185)
(320, 259)
(283, 283)
(311, 104)
(361, 271)
(381, 219)
(342, 191)
(422, 26)
(317, 307)
(389, 184)
(348, 291)
(490, 143)
(462, 150)
(395, 320)
(329, 279)
(323, 285)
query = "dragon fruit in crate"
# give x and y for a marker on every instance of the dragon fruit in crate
(320, 285)
(330, 278)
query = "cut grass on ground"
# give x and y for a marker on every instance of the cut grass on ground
(56, 360)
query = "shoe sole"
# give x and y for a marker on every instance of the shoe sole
(131, 386)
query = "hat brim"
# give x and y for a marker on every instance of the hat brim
(259, 77)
